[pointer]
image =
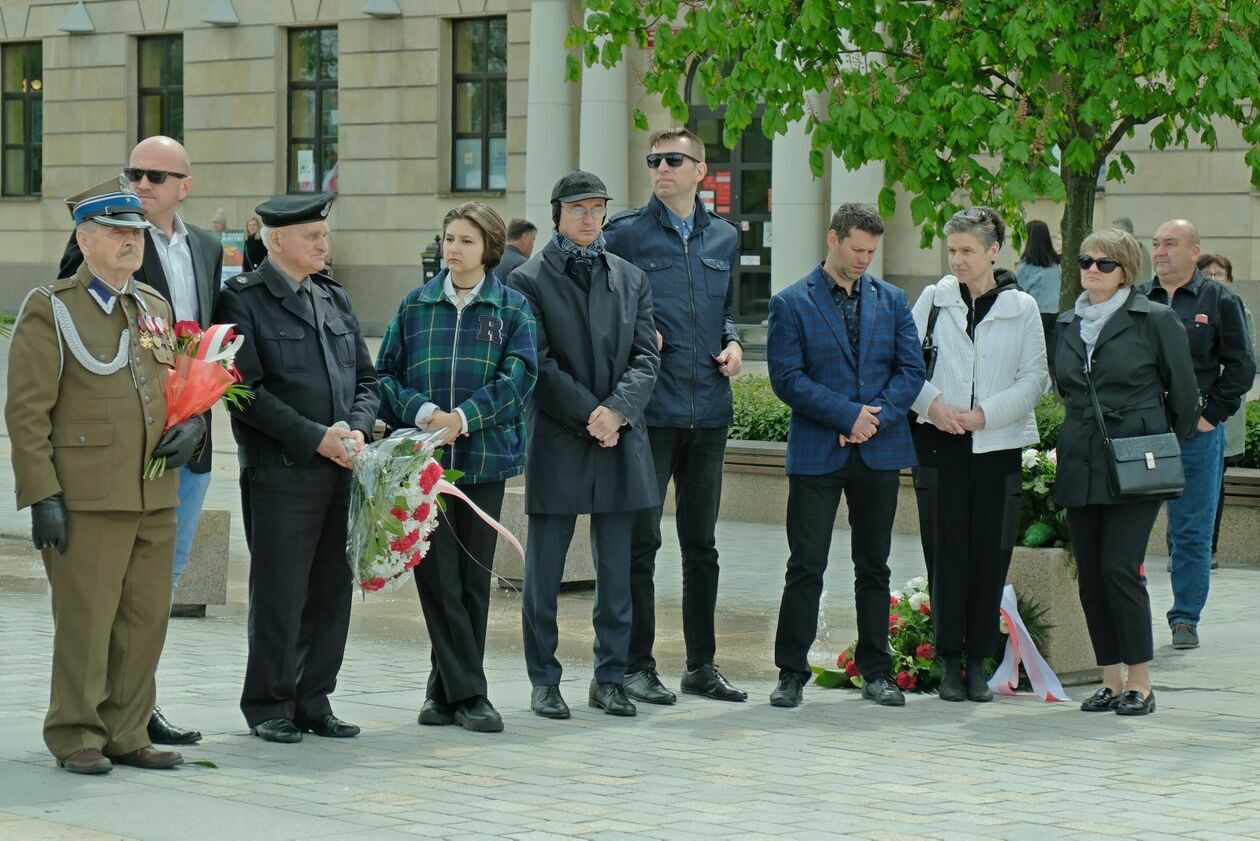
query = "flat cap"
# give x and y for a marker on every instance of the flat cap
(109, 203)
(295, 210)
(578, 185)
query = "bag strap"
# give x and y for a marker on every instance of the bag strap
(931, 325)
(1093, 396)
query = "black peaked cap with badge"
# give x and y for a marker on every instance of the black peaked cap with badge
(295, 210)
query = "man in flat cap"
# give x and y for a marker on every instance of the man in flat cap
(306, 362)
(597, 362)
(86, 410)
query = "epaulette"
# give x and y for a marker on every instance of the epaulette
(242, 281)
(325, 279)
(624, 214)
(58, 285)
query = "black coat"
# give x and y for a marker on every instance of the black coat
(596, 348)
(207, 260)
(511, 260)
(305, 376)
(1145, 381)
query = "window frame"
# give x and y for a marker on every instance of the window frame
(165, 90)
(485, 77)
(30, 145)
(320, 86)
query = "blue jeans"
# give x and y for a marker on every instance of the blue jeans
(1190, 519)
(192, 493)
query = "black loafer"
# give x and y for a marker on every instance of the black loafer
(277, 730)
(330, 727)
(436, 714)
(478, 715)
(611, 698)
(706, 680)
(547, 702)
(1132, 703)
(789, 693)
(1102, 701)
(162, 732)
(881, 689)
(645, 685)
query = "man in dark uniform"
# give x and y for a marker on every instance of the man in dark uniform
(85, 413)
(306, 362)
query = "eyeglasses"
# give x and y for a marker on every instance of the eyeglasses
(674, 159)
(579, 213)
(1218, 276)
(155, 176)
(1105, 264)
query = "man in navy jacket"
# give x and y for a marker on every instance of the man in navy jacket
(687, 253)
(845, 356)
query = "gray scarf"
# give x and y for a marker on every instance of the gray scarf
(1094, 317)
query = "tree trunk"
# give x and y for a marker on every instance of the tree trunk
(1078, 222)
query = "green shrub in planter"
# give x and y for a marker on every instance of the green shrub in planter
(759, 414)
(1251, 456)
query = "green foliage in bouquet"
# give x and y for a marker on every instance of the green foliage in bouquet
(1042, 523)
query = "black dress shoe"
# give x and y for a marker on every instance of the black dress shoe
(645, 685)
(478, 715)
(952, 687)
(789, 693)
(1132, 703)
(547, 702)
(610, 698)
(330, 727)
(1102, 701)
(706, 680)
(882, 690)
(977, 687)
(435, 713)
(162, 732)
(277, 730)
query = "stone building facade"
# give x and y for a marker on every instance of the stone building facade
(408, 107)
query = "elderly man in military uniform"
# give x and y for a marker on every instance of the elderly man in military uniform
(86, 410)
(314, 402)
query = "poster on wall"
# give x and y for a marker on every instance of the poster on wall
(715, 190)
(233, 253)
(306, 170)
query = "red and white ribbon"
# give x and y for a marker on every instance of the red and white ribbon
(447, 488)
(1020, 648)
(214, 345)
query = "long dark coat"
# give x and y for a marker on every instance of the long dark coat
(593, 349)
(1145, 381)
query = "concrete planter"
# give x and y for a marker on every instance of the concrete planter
(205, 578)
(579, 567)
(1048, 578)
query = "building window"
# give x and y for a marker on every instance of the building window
(162, 86)
(23, 105)
(480, 112)
(313, 110)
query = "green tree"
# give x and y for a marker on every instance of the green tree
(995, 102)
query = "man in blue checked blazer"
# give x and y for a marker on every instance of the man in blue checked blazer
(845, 356)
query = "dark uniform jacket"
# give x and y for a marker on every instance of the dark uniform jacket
(304, 374)
(511, 260)
(207, 260)
(596, 348)
(1145, 382)
(691, 305)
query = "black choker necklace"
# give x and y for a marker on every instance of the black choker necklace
(464, 288)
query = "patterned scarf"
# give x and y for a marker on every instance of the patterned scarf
(587, 253)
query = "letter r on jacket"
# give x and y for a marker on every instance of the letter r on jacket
(490, 329)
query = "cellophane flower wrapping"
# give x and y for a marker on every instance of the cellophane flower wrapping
(193, 387)
(393, 507)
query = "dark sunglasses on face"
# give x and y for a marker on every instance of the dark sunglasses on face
(1105, 264)
(156, 176)
(674, 159)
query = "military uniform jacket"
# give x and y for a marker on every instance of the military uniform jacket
(594, 348)
(306, 372)
(84, 435)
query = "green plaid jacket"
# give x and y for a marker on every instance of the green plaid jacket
(483, 360)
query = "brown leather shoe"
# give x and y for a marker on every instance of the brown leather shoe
(86, 761)
(149, 757)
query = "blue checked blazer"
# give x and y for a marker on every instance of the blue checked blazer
(813, 371)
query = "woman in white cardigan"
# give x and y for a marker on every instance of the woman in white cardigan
(975, 417)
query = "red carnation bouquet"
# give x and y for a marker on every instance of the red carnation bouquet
(204, 373)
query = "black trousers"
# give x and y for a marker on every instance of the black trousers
(454, 585)
(1230, 461)
(1109, 542)
(693, 459)
(299, 588)
(925, 481)
(977, 503)
(811, 517)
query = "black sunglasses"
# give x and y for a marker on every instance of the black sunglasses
(674, 159)
(1105, 264)
(156, 176)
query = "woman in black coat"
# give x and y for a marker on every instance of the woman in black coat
(1139, 358)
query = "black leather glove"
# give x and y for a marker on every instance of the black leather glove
(180, 442)
(48, 523)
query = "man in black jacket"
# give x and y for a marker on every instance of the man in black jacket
(308, 367)
(687, 253)
(183, 263)
(588, 449)
(1225, 370)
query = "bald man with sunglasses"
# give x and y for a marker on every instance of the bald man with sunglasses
(184, 263)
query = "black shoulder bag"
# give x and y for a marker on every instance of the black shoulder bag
(1142, 465)
(929, 344)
